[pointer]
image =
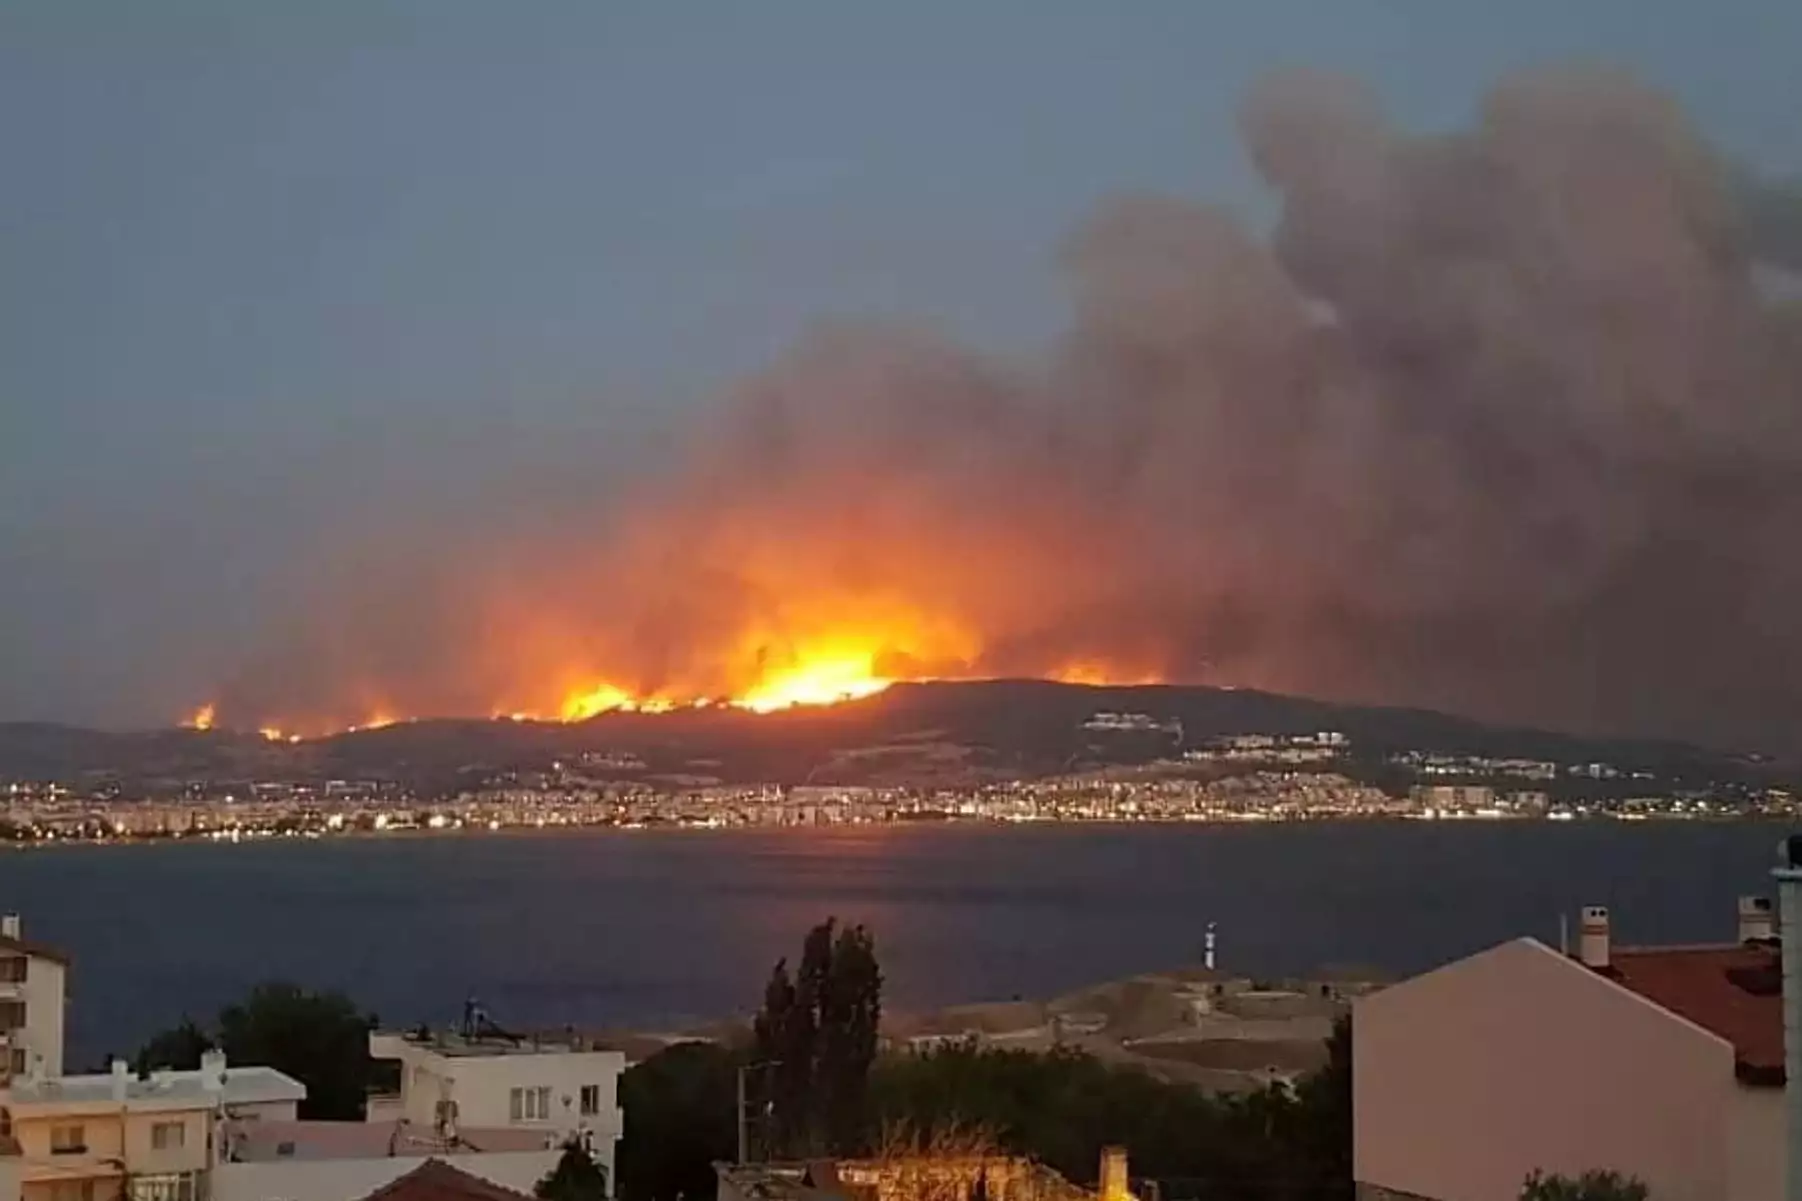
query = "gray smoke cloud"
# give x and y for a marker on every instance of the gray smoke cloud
(1502, 421)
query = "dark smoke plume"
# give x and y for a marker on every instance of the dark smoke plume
(1502, 421)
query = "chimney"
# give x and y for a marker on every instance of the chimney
(1592, 938)
(1207, 955)
(1115, 1185)
(1789, 928)
(212, 1071)
(121, 1079)
(1757, 920)
(9, 926)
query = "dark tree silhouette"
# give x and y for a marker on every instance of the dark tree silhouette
(1590, 1186)
(179, 1047)
(680, 1122)
(815, 1038)
(577, 1177)
(321, 1039)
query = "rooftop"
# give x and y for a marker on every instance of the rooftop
(36, 950)
(388, 1044)
(163, 1090)
(435, 1180)
(775, 1182)
(1734, 991)
(264, 1141)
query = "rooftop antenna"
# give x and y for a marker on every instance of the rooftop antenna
(1564, 934)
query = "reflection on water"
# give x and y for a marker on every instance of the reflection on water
(646, 927)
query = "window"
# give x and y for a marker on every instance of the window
(12, 1015)
(167, 1136)
(591, 1100)
(529, 1104)
(68, 1140)
(18, 1061)
(169, 1186)
(13, 969)
(72, 1190)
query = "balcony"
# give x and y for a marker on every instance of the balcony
(61, 1166)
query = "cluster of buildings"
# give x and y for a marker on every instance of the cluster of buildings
(1236, 777)
(478, 1114)
(1273, 750)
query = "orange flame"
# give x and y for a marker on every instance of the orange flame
(201, 718)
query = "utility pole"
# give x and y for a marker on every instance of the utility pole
(744, 1108)
(1789, 930)
(744, 1135)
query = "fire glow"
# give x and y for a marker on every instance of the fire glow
(836, 668)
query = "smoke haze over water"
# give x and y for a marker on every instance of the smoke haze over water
(1501, 421)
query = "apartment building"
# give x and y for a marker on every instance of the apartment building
(116, 1136)
(32, 996)
(334, 1161)
(1665, 1063)
(478, 1077)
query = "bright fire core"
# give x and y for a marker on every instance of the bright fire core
(765, 670)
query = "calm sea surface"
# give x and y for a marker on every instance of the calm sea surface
(645, 928)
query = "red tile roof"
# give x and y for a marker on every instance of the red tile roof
(435, 1180)
(35, 949)
(1733, 991)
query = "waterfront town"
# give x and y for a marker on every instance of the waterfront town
(1233, 778)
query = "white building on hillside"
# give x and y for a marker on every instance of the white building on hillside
(1664, 1063)
(481, 1079)
(31, 1005)
(119, 1137)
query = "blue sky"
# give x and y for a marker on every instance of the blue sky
(266, 267)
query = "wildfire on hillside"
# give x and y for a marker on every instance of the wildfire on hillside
(1440, 437)
(837, 674)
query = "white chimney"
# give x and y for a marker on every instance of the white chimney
(9, 926)
(1592, 936)
(1789, 928)
(1757, 919)
(212, 1071)
(121, 1079)
(1115, 1184)
(1207, 955)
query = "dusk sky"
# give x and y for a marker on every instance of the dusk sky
(268, 270)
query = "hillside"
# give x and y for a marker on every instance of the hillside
(912, 733)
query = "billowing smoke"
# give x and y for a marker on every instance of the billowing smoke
(1506, 421)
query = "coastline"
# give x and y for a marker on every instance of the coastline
(553, 829)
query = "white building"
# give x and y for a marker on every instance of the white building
(339, 1161)
(486, 1081)
(31, 1005)
(119, 1137)
(1664, 1063)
